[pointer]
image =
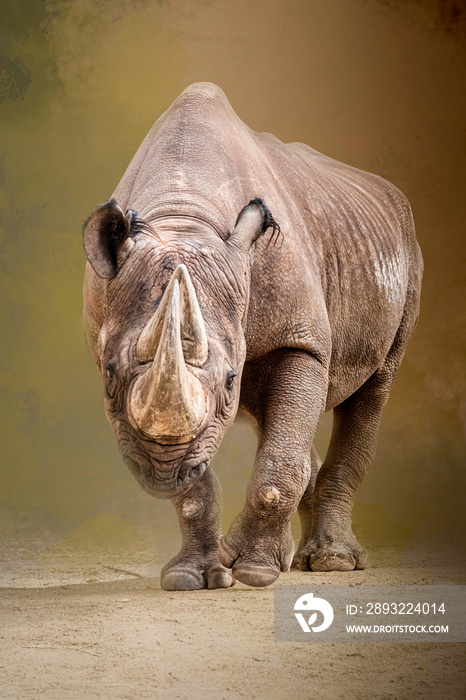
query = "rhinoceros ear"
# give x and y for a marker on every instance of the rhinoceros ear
(105, 238)
(253, 220)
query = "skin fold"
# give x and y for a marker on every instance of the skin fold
(300, 302)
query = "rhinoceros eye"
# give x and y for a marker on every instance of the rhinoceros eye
(230, 380)
(110, 378)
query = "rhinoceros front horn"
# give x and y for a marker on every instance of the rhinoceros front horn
(168, 403)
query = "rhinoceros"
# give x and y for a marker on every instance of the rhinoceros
(231, 274)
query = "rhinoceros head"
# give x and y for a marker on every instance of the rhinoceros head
(165, 318)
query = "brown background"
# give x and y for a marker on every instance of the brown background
(379, 84)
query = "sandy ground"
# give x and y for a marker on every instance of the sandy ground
(72, 628)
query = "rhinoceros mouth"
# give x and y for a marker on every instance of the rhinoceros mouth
(161, 487)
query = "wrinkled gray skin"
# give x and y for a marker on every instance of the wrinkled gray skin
(318, 322)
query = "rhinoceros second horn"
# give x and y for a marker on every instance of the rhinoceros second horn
(168, 403)
(193, 333)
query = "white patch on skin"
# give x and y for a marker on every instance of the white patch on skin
(190, 507)
(180, 181)
(232, 183)
(102, 341)
(390, 277)
(270, 495)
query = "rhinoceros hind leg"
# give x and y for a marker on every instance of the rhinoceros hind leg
(331, 544)
(325, 554)
(328, 555)
(305, 508)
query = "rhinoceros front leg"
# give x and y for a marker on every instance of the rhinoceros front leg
(199, 513)
(286, 394)
(328, 542)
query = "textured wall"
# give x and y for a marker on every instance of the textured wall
(378, 84)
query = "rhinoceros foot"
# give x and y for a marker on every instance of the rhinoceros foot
(192, 575)
(331, 554)
(257, 554)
